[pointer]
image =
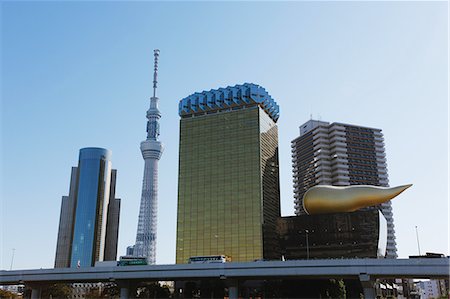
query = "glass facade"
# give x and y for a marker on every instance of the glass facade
(360, 234)
(228, 186)
(92, 201)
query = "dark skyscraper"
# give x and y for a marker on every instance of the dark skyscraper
(228, 185)
(341, 155)
(89, 221)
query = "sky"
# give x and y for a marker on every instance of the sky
(79, 74)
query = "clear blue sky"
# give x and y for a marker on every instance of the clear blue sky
(78, 74)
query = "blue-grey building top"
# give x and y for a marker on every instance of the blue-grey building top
(95, 153)
(230, 98)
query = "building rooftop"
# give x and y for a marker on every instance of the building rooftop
(312, 124)
(227, 99)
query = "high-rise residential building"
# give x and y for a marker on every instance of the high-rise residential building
(341, 155)
(151, 150)
(228, 183)
(89, 220)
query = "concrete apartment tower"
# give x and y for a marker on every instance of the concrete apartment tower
(228, 183)
(341, 155)
(151, 150)
(89, 220)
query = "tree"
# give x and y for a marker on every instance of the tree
(153, 290)
(8, 294)
(57, 290)
(335, 289)
(107, 290)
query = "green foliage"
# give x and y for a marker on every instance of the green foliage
(57, 290)
(335, 289)
(311, 288)
(153, 290)
(8, 294)
(111, 290)
(108, 290)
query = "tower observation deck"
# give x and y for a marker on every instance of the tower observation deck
(151, 150)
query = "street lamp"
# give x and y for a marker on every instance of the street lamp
(12, 258)
(307, 244)
(417, 236)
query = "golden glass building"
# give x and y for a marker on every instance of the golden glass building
(228, 184)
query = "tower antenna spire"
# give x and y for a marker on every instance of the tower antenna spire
(155, 71)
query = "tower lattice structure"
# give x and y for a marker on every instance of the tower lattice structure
(151, 150)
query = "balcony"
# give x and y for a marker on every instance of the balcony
(338, 144)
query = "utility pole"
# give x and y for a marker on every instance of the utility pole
(417, 236)
(12, 259)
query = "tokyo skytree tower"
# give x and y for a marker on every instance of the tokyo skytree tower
(151, 150)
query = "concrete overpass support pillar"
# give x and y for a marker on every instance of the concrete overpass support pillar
(233, 289)
(368, 286)
(233, 292)
(35, 292)
(124, 287)
(36, 289)
(124, 292)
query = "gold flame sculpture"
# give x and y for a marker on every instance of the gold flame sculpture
(334, 199)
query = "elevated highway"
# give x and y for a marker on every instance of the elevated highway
(366, 270)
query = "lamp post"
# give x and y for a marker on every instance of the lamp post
(12, 258)
(307, 244)
(417, 236)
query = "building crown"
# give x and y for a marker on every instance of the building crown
(230, 98)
